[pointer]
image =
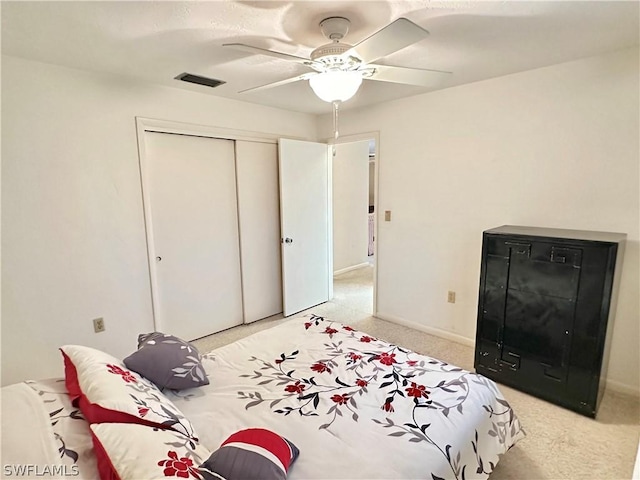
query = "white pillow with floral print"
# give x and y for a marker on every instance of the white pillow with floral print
(133, 452)
(106, 392)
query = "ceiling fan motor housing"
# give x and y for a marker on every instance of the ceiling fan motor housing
(335, 28)
(330, 49)
(331, 57)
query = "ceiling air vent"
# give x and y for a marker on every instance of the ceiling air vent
(207, 82)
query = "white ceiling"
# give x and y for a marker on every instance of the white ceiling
(155, 41)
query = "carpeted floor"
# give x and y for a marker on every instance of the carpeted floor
(559, 445)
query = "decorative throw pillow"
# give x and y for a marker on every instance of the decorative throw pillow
(167, 361)
(254, 453)
(128, 451)
(106, 391)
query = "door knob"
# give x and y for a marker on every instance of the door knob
(159, 259)
(288, 240)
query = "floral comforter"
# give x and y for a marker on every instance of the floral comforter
(355, 406)
(43, 435)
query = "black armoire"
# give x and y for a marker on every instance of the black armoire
(545, 311)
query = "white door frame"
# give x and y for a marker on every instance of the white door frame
(357, 137)
(166, 126)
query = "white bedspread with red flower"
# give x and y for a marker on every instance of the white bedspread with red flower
(356, 406)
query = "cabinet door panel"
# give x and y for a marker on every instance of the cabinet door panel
(544, 278)
(497, 269)
(536, 325)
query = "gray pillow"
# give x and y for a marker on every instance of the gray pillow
(167, 361)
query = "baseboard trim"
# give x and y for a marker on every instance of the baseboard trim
(348, 269)
(620, 387)
(436, 332)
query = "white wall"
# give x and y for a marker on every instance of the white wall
(350, 204)
(73, 239)
(553, 147)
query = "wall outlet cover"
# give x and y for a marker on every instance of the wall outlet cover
(98, 325)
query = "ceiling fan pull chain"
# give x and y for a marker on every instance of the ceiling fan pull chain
(335, 119)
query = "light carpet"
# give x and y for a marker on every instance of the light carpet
(559, 445)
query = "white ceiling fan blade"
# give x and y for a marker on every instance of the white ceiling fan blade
(271, 53)
(395, 36)
(304, 76)
(410, 76)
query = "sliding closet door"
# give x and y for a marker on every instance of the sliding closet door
(259, 212)
(194, 244)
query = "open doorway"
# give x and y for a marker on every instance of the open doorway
(354, 209)
(372, 203)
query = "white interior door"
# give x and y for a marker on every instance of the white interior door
(305, 224)
(194, 244)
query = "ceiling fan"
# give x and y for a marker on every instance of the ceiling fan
(339, 68)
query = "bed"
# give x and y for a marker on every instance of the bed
(354, 406)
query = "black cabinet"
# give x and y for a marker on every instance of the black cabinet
(545, 311)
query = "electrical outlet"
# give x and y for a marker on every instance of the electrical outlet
(451, 297)
(98, 325)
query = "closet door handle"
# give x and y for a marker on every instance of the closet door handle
(158, 259)
(287, 240)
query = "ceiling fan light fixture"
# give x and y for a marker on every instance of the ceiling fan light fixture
(336, 86)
